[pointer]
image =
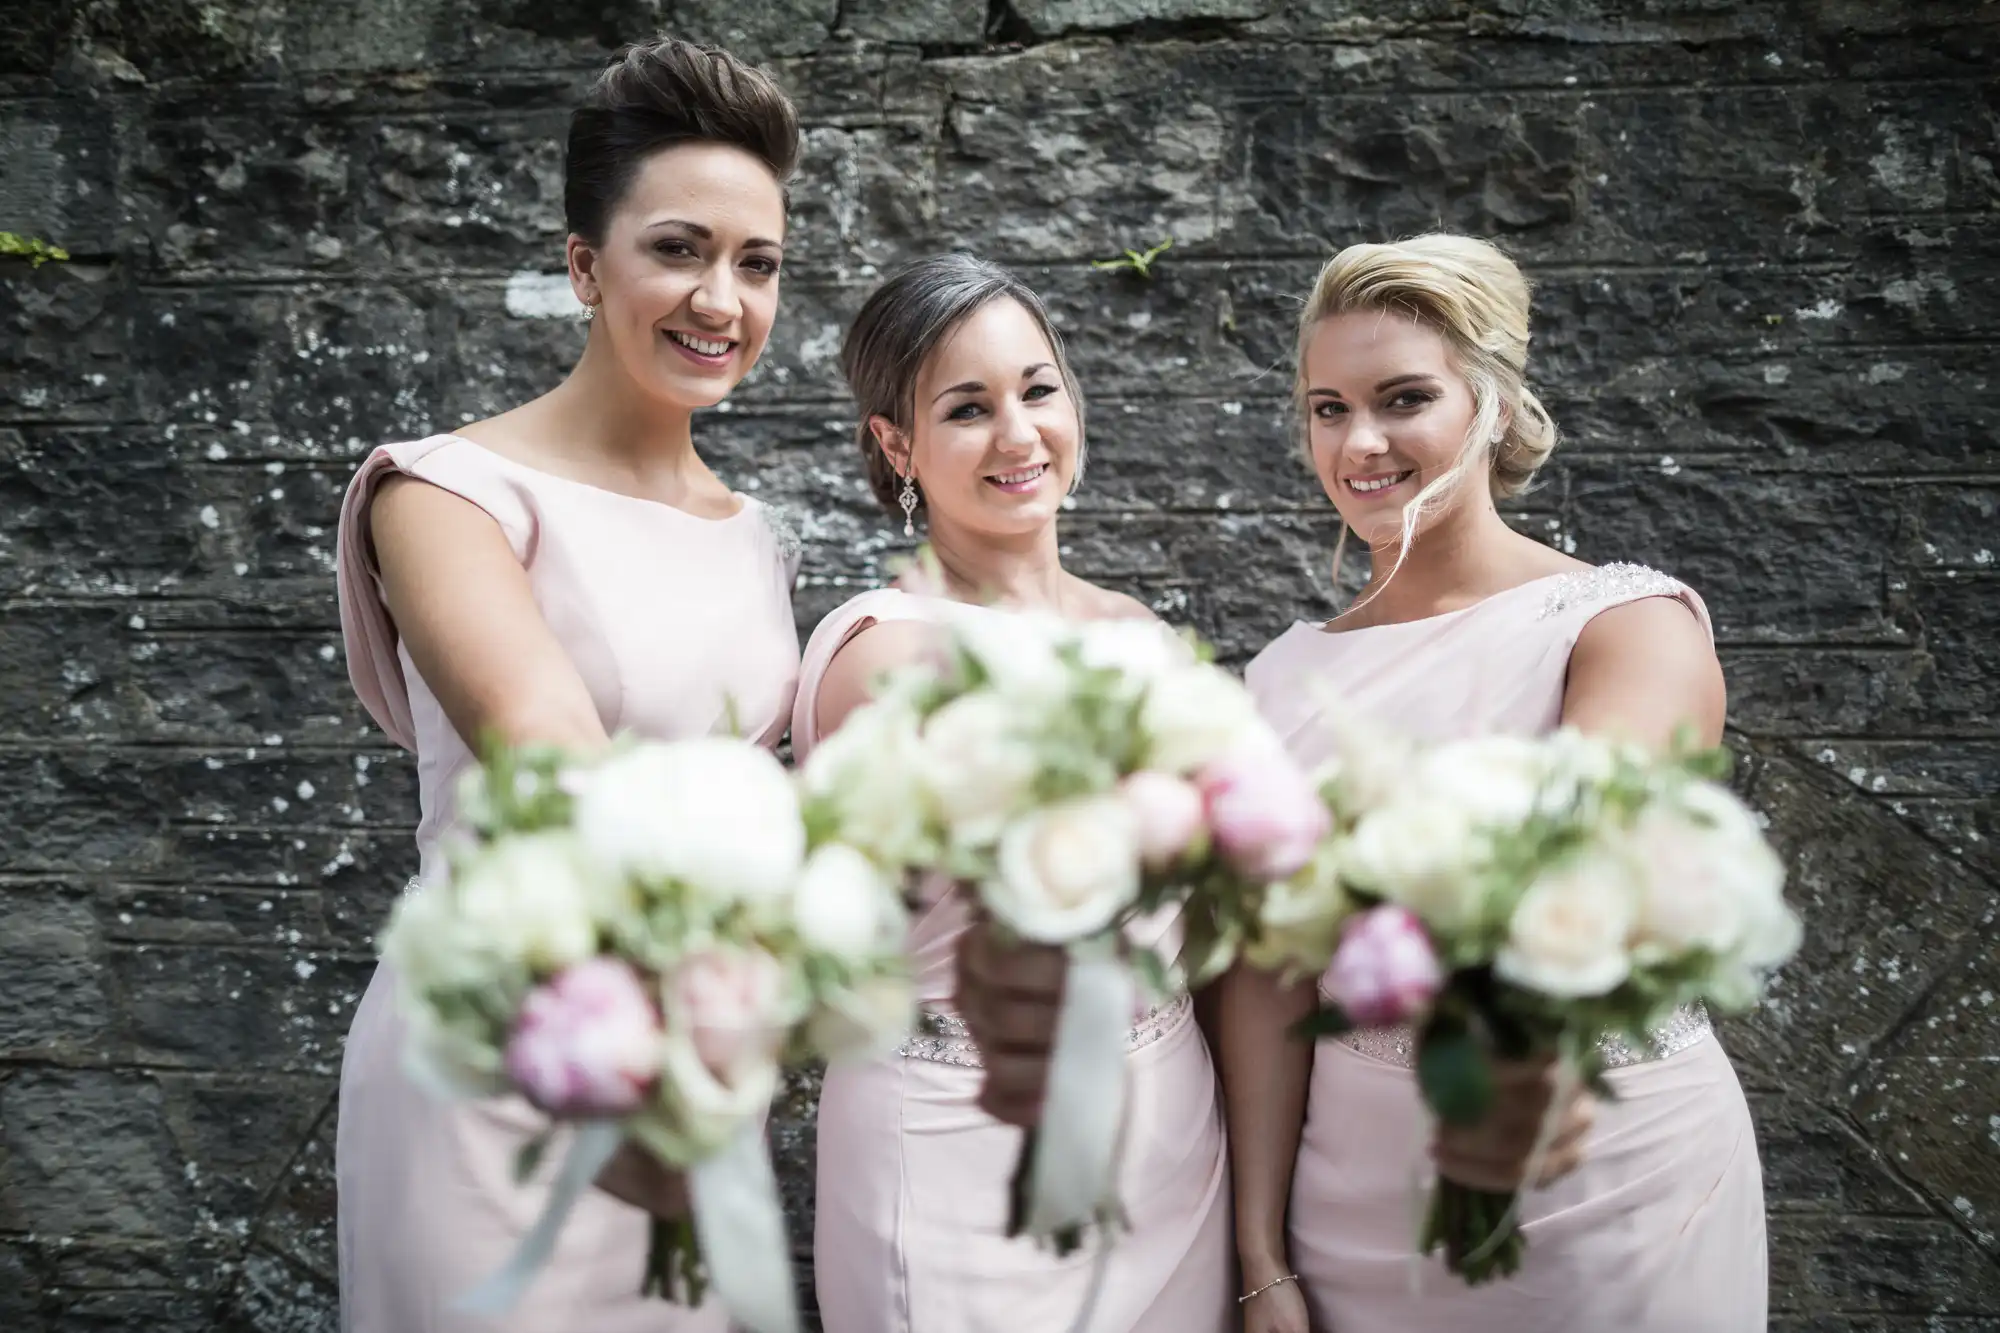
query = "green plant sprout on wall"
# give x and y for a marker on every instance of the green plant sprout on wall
(1141, 264)
(33, 249)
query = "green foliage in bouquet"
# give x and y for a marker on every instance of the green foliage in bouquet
(663, 892)
(516, 789)
(1068, 777)
(1473, 830)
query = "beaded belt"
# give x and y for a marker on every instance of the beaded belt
(1683, 1028)
(944, 1038)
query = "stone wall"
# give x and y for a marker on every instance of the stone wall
(1770, 293)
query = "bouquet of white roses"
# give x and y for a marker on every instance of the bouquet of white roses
(1523, 898)
(636, 943)
(1074, 778)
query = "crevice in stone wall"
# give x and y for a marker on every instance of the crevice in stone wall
(283, 1176)
(1006, 27)
(1845, 1117)
(947, 136)
(1190, 31)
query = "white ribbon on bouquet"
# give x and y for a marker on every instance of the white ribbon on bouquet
(738, 1220)
(1073, 1180)
(741, 1225)
(591, 1149)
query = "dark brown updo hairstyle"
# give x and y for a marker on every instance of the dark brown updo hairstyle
(658, 94)
(903, 322)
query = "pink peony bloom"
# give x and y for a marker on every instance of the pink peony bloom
(1385, 971)
(1167, 813)
(729, 1003)
(587, 1043)
(1262, 809)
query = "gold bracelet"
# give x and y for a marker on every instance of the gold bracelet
(1275, 1282)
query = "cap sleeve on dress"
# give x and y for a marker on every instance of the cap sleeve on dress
(366, 629)
(1577, 599)
(832, 634)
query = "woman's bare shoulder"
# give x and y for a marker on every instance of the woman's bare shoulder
(1108, 604)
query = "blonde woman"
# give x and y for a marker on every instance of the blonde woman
(1418, 419)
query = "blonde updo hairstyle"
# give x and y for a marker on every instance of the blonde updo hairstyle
(1476, 299)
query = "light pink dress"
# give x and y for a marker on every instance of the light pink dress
(1662, 1229)
(909, 1233)
(670, 619)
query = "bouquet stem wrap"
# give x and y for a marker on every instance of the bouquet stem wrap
(1479, 1231)
(1068, 1174)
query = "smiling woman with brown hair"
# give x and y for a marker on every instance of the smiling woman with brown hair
(560, 573)
(969, 417)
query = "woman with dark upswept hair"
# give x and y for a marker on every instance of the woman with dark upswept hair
(561, 572)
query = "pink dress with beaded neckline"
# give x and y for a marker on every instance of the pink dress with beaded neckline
(912, 1178)
(1662, 1229)
(679, 626)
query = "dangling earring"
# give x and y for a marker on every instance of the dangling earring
(907, 498)
(589, 311)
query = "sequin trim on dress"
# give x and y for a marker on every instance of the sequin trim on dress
(1605, 583)
(787, 536)
(1683, 1028)
(944, 1039)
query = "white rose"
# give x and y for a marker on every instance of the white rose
(727, 1011)
(1421, 854)
(428, 947)
(1694, 880)
(978, 766)
(1580, 765)
(432, 956)
(1712, 882)
(1679, 914)
(1065, 871)
(698, 1114)
(870, 1018)
(845, 908)
(1495, 780)
(1589, 757)
(1140, 651)
(1195, 714)
(532, 899)
(716, 813)
(1730, 841)
(1568, 935)
(1368, 768)
(1772, 933)
(1300, 919)
(870, 772)
(1016, 650)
